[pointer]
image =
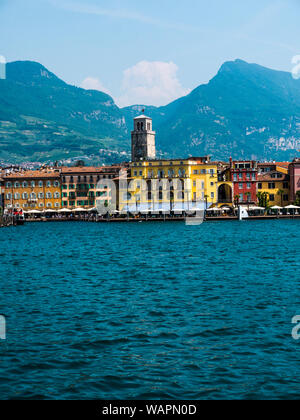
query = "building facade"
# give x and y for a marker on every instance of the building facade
(33, 190)
(85, 186)
(244, 175)
(172, 185)
(294, 172)
(273, 179)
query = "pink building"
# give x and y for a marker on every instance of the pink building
(294, 170)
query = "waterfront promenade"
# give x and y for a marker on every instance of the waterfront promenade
(159, 219)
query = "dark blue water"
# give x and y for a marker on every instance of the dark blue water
(150, 311)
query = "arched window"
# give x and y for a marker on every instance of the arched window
(142, 126)
(25, 184)
(32, 184)
(138, 126)
(48, 184)
(41, 184)
(17, 185)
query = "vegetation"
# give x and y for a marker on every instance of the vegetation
(242, 112)
(263, 199)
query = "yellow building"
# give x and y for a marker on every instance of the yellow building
(170, 185)
(33, 190)
(273, 179)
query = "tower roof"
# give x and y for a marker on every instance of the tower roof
(142, 116)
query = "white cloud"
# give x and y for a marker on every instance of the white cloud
(296, 68)
(151, 83)
(91, 83)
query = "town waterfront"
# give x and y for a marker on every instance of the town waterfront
(150, 311)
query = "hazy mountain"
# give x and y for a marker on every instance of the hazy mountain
(245, 111)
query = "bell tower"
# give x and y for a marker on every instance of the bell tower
(142, 139)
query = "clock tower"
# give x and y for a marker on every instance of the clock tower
(142, 139)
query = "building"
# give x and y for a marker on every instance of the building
(33, 190)
(294, 172)
(172, 185)
(85, 186)
(142, 139)
(1, 193)
(244, 174)
(273, 179)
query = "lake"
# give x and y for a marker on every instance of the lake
(150, 310)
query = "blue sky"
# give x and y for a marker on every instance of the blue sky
(148, 52)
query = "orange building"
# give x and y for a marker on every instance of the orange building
(33, 190)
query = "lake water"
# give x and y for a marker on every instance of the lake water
(150, 311)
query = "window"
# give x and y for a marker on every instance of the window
(25, 184)
(135, 173)
(285, 197)
(41, 196)
(194, 183)
(49, 205)
(25, 196)
(33, 196)
(8, 185)
(64, 187)
(41, 184)
(212, 184)
(141, 173)
(17, 185)
(241, 197)
(212, 195)
(248, 186)
(56, 194)
(48, 195)
(286, 186)
(48, 184)
(272, 197)
(241, 186)
(195, 172)
(271, 186)
(32, 184)
(248, 176)
(56, 205)
(41, 205)
(260, 186)
(56, 184)
(235, 177)
(203, 171)
(17, 196)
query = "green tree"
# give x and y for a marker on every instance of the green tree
(263, 199)
(281, 192)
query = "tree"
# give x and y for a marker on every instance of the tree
(263, 199)
(297, 202)
(281, 192)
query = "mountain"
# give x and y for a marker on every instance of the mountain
(43, 118)
(245, 111)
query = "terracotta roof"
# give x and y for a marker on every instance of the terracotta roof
(32, 174)
(90, 170)
(266, 177)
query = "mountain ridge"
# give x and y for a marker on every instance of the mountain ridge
(244, 111)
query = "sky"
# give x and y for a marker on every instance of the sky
(150, 52)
